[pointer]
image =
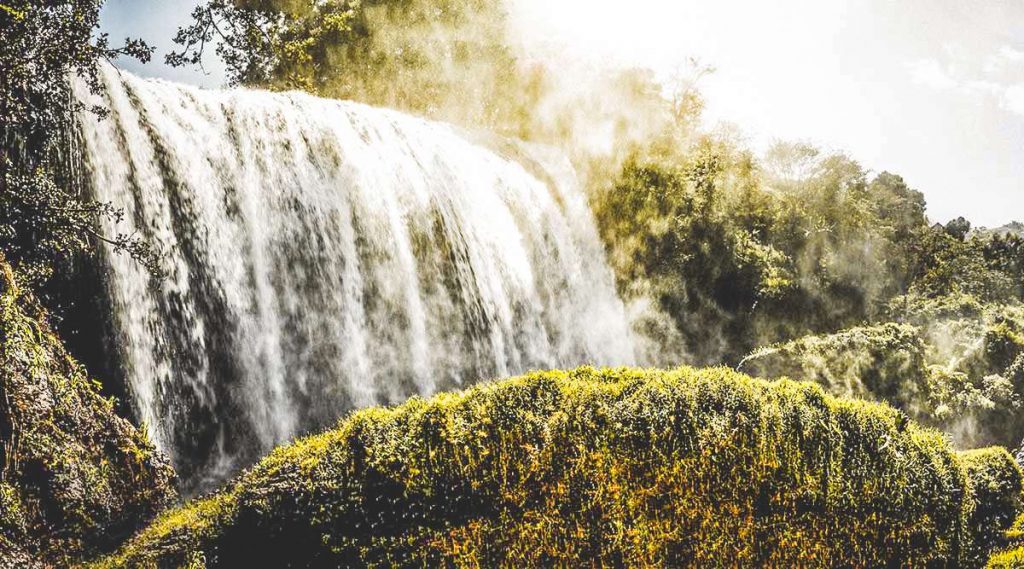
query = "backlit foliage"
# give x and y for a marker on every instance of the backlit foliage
(450, 60)
(886, 363)
(953, 363)
(604, 467)
(742, 252)
(46, 217)
(403, 54)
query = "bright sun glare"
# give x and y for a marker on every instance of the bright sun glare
(927, 89)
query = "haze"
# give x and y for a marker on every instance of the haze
(932, 90)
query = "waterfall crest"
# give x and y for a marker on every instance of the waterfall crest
(322, 256)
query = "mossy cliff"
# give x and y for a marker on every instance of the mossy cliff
(75, 479)
(604, 468)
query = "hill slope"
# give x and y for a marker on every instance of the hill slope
(604, 467)
(74, 477)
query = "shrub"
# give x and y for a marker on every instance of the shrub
(1010, 559)
(601, 468)
(1013, 556)
(996, 485)
(957, 371)
(885, 362)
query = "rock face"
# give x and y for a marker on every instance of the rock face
(604, 468)
(75, 479)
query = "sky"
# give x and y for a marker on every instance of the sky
(932, 90)
(156, 21)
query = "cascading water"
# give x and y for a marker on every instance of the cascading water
(322, 256)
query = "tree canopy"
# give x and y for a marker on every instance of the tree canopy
(45, 214)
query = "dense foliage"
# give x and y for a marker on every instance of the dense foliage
(75, 479)
(605, 467)
(953, 363)
(444, 59)
(803, 265)
(399, 53)
(886, 362)
(1012, 557)
(996, 482)
(741, 252)
(45, 217)
(797, 263)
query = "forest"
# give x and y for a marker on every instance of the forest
(818, 374)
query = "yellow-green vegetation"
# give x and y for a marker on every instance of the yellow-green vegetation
(75, 479)
(996, 482)
(885, 362)
(1009, 559)
(1012, 557)
(605, 467)
(954, 363)
(741, 252)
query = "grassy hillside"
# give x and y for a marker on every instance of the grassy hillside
(74, 478)
(604, 467)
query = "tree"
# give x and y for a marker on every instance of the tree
(45, 216)
(445, 59)
(269, 43)
(951, 261)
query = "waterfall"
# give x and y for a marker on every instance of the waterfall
(322, 256)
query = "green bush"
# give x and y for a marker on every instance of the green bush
(590, 467)
(885, 362)
(1013, 556)
(954, 364)
(996, 485)
(1009, 559)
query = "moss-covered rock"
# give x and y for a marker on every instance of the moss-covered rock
(603, 468)
(75, 479)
